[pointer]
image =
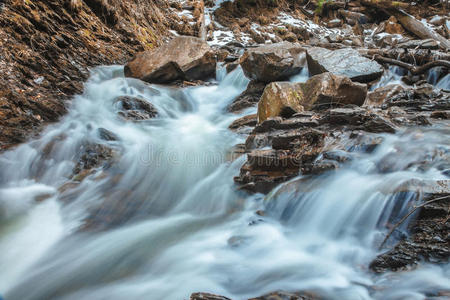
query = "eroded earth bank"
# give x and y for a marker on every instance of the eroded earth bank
(224, 149)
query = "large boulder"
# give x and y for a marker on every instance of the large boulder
(280, 99)
(347, 62)
(273, 62)
(285, 98)
(183, 57)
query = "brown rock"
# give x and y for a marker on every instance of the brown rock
(272, 62)
(182, 58)
(272, 160)
(393, 27)
(258, 38)
(290, 37)
(243, 21)
(246, 121)
(280, 99)
(263, 20)
(292, 152)
(379, 95)
(285, 98)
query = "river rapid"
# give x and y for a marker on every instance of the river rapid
(183, 225)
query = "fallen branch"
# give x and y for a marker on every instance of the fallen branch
(411, 68)
(416, 56)
(410, 23)
(418, 28)
(407, 216)
(384, 4)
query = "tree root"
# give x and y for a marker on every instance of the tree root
(415, 70)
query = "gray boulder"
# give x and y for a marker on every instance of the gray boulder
(347, 62)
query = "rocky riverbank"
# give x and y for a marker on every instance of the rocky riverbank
(47, 48)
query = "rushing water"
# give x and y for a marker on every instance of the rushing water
(185, 228)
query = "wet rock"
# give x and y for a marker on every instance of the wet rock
(293, 138)
(246, 121)
(319, 167)
(107, 135)
(255, 181)
(249, 97)
(359, 118)
(272, 62)
(91, 156)
(231, 66)
(330, 89)
(435, 188)
(428, 241)
(293, 152)
(268, 125)
(280, 295)
(346, 62)
(207, 296)
(281, 99)
(183, 57)
(115, 209)
(135, 109)
(393, 27)
(285, 98)
(422, 98)
(272, 160)
(386, 40)
(292, 123)
(444, 115)
(235, 152)
(378, 124)
(379, 95)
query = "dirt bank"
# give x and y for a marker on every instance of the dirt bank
(47, 47)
